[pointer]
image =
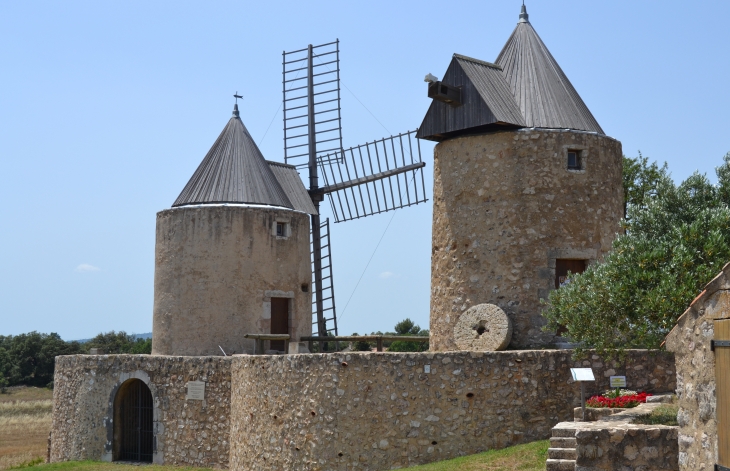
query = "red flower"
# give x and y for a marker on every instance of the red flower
(622, 402)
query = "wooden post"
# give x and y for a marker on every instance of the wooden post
(583, 399)
(379, 343)
(310, 345)
(259, 346)
(722, 391)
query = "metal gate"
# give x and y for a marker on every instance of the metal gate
(721, 346)
(135, 411)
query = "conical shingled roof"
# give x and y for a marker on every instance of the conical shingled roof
(524, 88)
(234, 171)
(543, 93)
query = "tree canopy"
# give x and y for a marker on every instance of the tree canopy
(677, 239)
(119, 342)
(29, 359)
(408, 327)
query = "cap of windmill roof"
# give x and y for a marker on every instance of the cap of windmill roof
(234, 171)
(543, 92)
(524, 17)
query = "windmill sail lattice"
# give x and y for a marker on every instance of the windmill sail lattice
(361, 181)
(374, 178)
(321, 64)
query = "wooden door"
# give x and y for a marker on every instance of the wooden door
(722, 391)
(562, 267)
(279, 321)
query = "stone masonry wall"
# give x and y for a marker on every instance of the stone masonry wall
(627, 448)
(690, 341)
(377, 411)
(505, 207)
(187, 432)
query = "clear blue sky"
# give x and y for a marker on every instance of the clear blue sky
(107, 108)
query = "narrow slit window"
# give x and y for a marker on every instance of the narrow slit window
(280, 229)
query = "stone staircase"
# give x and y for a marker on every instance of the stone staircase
(561, 454)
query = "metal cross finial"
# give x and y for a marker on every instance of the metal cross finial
(237, 96)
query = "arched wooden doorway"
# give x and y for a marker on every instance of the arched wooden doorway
(133, 437)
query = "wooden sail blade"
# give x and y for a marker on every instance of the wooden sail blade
(373, 178)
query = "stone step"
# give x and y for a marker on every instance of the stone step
(560, 465)
(562, 442)
(562, 453)
(663, 398)
(563, 432)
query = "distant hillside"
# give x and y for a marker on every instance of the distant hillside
(148, 335)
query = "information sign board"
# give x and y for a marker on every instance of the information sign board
(582, 374)
(618, 381)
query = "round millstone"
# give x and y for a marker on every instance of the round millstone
(484, 327)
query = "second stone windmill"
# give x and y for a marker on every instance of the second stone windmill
(233, 255)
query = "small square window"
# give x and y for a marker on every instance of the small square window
(574, 160)
(281, 229)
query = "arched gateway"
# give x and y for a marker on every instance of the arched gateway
(133, 437)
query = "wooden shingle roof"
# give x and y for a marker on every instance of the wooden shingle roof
(235, 171)
(543, 92)
(524, 88)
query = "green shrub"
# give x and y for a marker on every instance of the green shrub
(677, 239)
(361, 345)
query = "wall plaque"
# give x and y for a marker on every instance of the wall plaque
(196, 390)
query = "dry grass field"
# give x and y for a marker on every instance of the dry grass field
(25, 421)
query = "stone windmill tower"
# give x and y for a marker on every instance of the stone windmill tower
(232, 254)
(527, 187)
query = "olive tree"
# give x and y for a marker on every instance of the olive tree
(677, 238)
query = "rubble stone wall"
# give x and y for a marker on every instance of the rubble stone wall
(505, 207)
(368, 411)
(647, 448)
(690, 341)
(376, 411)
(187, 432)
